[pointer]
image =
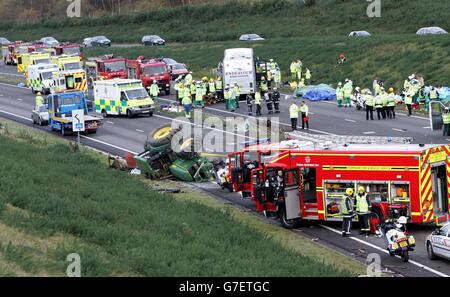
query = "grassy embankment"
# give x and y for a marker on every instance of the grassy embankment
(55, 201)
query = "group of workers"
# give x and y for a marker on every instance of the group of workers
(298, 77)
(192, 94)
(352, 205)
(380, 101)
(294, 111)
(271, 98)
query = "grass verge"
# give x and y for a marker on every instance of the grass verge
(55, 201)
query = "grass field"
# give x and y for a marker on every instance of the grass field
(270, 18)
(389, 57)
(55, 201)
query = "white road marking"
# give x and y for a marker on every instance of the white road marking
(14, 86)
(109, 144)
(428, 127)
(12, 74)
(19, 99)
(1, 95)
(16, 115)
(351, 121)
(399, 130)
(83, 136)
(369, 132)
(386, 252)
(140, 131)
(413, 116)
(448, 139)
(109, 122)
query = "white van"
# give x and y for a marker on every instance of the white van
(40, 77)
(239, 66)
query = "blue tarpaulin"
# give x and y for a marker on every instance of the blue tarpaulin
(316, 93)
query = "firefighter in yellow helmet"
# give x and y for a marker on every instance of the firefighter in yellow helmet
(39, 99)
(347, 212)
(362, 207)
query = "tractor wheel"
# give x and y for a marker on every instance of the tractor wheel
(187, 148)
(161, 136)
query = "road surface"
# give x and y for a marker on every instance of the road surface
(120, 135)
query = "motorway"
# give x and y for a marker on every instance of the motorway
(120, 135)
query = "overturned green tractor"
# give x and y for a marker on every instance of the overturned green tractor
(167, 153)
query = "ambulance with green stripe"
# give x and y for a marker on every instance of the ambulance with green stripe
(122, 97)
(40, 77)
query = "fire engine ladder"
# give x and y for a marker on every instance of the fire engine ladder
(346, 139)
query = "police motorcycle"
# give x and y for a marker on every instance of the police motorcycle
(398, 241)
(358, 99)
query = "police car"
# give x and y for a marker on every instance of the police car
(438, 243)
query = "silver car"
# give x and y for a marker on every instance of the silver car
(250, 37)
(438, 243)
(39, 115)
(49, 41)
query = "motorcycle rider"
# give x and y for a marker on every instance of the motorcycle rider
(358, 98)
(362, 207)
(347, 212)
(392, 229)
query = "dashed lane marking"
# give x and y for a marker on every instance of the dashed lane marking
(351, 121)
(399, 130)
(369, 132)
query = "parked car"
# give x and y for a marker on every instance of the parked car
(39, 115)
(169, 61)
(250, 37)
(4, 41)
(178, 69)
(96, 41)
(359, 33)
(431, 30)
(153, 40)
(438, 243)
(49, 41)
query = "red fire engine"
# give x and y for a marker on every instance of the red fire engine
(11, 51)
(106, 67)
(150, 70)
(400, 178)
(70, 49)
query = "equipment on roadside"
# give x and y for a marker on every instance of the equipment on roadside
(398, 241)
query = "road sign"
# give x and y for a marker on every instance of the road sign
(78, 120)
